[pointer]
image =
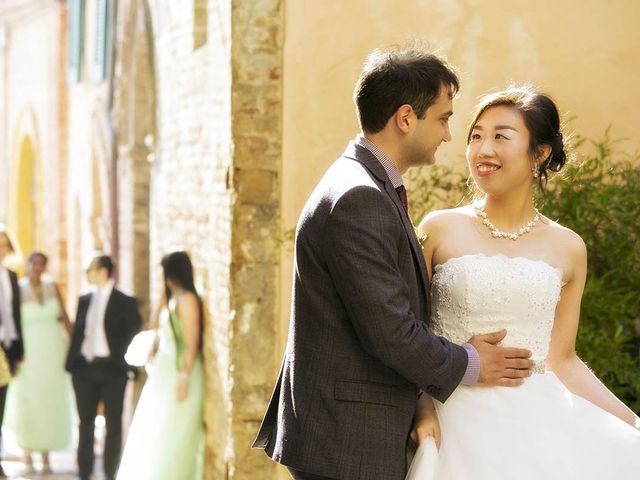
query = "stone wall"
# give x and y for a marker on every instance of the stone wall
(257, 41)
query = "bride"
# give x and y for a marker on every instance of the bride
(500, 264)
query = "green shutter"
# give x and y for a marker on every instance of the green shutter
(102, 40)
(75, 39)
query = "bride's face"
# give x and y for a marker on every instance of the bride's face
(498, 152)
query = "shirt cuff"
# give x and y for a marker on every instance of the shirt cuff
(472, 375)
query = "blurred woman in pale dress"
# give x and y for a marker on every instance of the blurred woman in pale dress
(39, 397)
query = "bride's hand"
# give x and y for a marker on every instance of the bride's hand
(425, 422)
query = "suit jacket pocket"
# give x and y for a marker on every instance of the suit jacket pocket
(376, 393)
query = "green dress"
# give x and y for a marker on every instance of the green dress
(38, 408)
(166, 437)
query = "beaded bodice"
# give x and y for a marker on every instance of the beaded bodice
(477, 293)
(28, 293)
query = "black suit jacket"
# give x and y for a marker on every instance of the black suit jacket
(359, 345)
(15, 352)
(121, 322)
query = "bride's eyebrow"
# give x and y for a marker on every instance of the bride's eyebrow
(497, 127)
(506, 127)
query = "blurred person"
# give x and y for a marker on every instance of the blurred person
(12, 351)
(39, 401)
(498, 263)
(166, 438)
(106, 321)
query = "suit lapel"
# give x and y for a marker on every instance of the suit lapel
(371, 163)
(83, 311)
(108, 315)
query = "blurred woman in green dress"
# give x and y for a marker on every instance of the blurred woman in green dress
(166, 438)
(39, 397)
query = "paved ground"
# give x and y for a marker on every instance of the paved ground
(63, 464)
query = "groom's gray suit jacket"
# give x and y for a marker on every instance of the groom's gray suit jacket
(359, 345)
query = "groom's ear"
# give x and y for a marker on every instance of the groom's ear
(403, 118)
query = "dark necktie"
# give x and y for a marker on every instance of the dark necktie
(402, 193)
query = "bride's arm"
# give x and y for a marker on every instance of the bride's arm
(562, 359)
(425, 421)
(188, 310)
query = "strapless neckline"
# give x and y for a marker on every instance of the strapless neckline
(499, 256)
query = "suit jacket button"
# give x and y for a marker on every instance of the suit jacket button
(433, 390)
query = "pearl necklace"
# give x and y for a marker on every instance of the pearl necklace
(499, 233)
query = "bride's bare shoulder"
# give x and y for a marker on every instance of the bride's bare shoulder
(437, 219)
(565, 238)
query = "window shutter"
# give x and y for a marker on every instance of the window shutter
(76, 40)
(102, 40)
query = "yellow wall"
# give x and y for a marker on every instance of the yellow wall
(583, 52)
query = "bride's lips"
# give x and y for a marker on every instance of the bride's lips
(485, 169)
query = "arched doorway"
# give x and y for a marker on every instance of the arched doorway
(25, 210)
(25, 189)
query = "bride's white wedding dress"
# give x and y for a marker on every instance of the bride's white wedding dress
(539, 430)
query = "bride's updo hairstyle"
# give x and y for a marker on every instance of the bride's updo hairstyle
(541, 118)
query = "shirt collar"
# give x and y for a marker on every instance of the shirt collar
(106, 289)
(392, 171)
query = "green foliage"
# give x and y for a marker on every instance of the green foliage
(599, 198)
(434, 188)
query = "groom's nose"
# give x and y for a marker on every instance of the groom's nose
(447, 134)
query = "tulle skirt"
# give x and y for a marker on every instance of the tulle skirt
(539, 430)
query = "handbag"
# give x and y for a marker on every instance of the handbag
(142, 348)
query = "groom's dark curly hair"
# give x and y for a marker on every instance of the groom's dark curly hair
(395, 77)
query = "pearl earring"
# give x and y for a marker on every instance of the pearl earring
(536, 174)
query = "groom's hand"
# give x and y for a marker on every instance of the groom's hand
(507, 367)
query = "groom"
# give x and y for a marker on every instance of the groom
(359, 347)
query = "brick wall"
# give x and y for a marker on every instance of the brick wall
(257, 40)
